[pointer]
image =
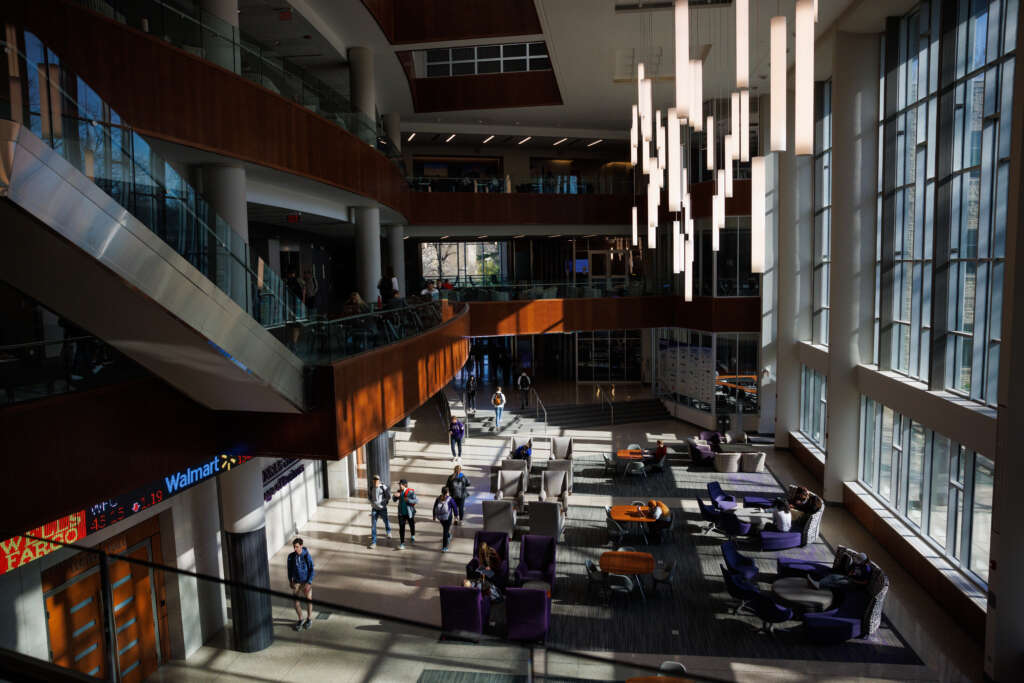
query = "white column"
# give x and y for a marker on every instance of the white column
(795, 225)
(224, 188)
(363, 91)
(221, 43)
(396, 254)
(852, 276)
(769, 282)
(368, 251)
(241, 498)
(1004, 629)
(339, 482)
(393, 129)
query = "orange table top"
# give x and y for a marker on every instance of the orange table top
(623, 562)
(630, 513)
(627, 454)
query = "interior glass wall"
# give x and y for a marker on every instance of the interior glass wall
(609, 356)
(713, 373)
(940, 488)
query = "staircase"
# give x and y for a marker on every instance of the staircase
(561, 417)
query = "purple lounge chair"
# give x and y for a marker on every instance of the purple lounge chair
(737, 563)
(464, 611)
(536, 559)
(528, 613)
(797, 537)
(497, 540)
(719, 498)
(739, 588)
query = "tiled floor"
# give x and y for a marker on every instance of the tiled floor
(403, 584)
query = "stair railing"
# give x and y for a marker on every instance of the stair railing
(538, 408)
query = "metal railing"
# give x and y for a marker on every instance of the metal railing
(538, 408)
(536, 184)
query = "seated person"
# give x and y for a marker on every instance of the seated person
(804, 503)
(662, 516)
(488, 563)
(715, 441)
(858, 574)
(782, 519)
(355, 305)
(660, 451)
(524, 452)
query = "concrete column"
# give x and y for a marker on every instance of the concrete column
(378, 459)
(221, 45)
(852, 290)
(1004, 629)
(396, 254)
(795, 228)
(368, 251)
(363, 91)
(245, 553)
(339, 483)
(393, 129)
(224, 188)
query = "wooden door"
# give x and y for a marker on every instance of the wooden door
(74, 617)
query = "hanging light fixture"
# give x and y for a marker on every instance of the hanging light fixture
(673, 161)
(652, 213)
(633, 137)
(676, 261)
(742, 43)
(803, 101)
(734, 121)
(778, 84)
(688, 246)
(718, 214)
(757, 214)
(682, 26)
(744, 125)
(710, 140)
(730, 156)
(697, 95)
(659, 136)
(634, 226)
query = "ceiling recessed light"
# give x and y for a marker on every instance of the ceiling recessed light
(450, 137)
(411, 136)
(528, 137)
(594, 143)
(560, 142)
(489, 138)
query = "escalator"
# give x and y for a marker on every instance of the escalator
(100, 228)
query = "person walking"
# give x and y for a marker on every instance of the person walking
(407, 500)
(300, 579)
(471, 394)
(456, 434)
(458, 484)
(379, 496)
(498, 401)
(444, 512)
(523, 384)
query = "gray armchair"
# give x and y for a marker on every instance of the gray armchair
(562, 466)
(499, 515)
(555, 487)
(561, 448)
(517, 466)
(514, 442)
(546, 519)
(511, 487)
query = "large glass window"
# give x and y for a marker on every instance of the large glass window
(487, 59)
(942, 197)
(813, 406)
(465, 262)
(942, 488)
(822, 238)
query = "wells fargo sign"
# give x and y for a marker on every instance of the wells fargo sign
(19, 550)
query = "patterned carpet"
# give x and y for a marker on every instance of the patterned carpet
(697, 618)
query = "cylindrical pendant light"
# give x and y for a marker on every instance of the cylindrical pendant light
(677, 263)
(742, 44)
(682, 25)
(778, 84)
(710, 140)
(684, 192)
(688, 287)
(719, 212)
(673, 161)
(652, 214)
(757, 217)
(734, 117)
(730, 156)
(634, 226)
(803, 76)
(697, 94)
(646, 115)
(634, 134)
(645, 158)
(659, 136)
(744, 125)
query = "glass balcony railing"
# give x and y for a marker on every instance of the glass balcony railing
(70, 117)
(205, 35)
(563, 184)
(611, 286)
(107, 619)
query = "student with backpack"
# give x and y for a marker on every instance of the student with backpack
(444, 512)
(471, 394)
(407, 500)
(498, 401)
(458, 485)
(379, 496)
(523, 384)
(456, 434)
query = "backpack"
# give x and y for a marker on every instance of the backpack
(459, 486)
(498, 399)
(441, 509)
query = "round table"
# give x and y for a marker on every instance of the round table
(798, 592)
